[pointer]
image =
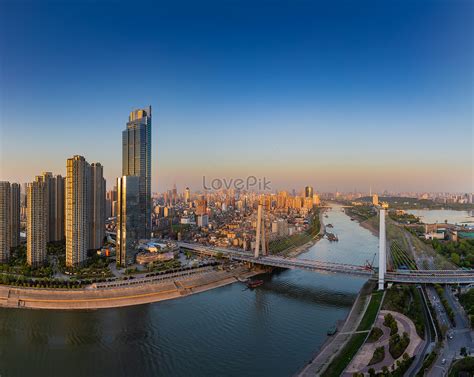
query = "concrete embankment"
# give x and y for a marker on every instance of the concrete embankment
(90, 298)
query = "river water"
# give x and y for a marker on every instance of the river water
(441, 215)
(230, 331)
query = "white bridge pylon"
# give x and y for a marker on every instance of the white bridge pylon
(382, 249)
(260, 236)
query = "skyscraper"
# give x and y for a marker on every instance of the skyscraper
(97, 207)
(5, 238)
(187, 195)
(14, 214)
(54, 202)
(129, 216)
(77, 210)
(46, 178)
(308, 192)
(136, 160)
(59, 209)
(37, 227)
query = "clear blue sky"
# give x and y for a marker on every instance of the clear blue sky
(339, 94)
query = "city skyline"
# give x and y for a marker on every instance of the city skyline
(301, 94)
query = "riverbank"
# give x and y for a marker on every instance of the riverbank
(303, 248)
(101, 298)
(370, 224)
(331, 348)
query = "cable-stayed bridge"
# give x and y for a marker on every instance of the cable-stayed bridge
(401, 276)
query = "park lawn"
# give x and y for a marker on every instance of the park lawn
(371, 312)
(342, 360)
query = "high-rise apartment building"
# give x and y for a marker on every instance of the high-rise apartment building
(54, 202)
(77, 210)
(136, 160)
(15, 206)
(97, 206)
(5, 238)
(129, 217)
(58, 215)
(37, 222)
(46, 178)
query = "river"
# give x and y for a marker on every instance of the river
(230, 331)
(441, 215)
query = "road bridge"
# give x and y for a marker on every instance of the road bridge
(399, 276)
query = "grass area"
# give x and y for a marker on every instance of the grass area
(400, 258)
(342, 360)
(371, 312)
(416, 247)
(396, 234)
(406, 299)
(362, 213)
(463, 365)
(345, 355)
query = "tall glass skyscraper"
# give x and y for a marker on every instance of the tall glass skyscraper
(129, 217)
(136, 161)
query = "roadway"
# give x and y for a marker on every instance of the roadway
(457, 337)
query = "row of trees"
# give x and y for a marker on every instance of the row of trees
(397, 344)
(447, 307)
(390, 322)
(459, 252)
(406, 299)
(467, 301)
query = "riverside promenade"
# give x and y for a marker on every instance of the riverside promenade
(334, 344)
(123, 295)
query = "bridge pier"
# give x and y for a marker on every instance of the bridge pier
(382, 249)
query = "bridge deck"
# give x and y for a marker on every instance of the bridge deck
(400, 276)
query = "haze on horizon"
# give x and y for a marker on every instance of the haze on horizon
(340, 95)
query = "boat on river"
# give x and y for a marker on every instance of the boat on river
(254, 283)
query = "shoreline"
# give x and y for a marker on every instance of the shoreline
(304, 248)
(92, 299)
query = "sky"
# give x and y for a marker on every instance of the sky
(341, 95)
